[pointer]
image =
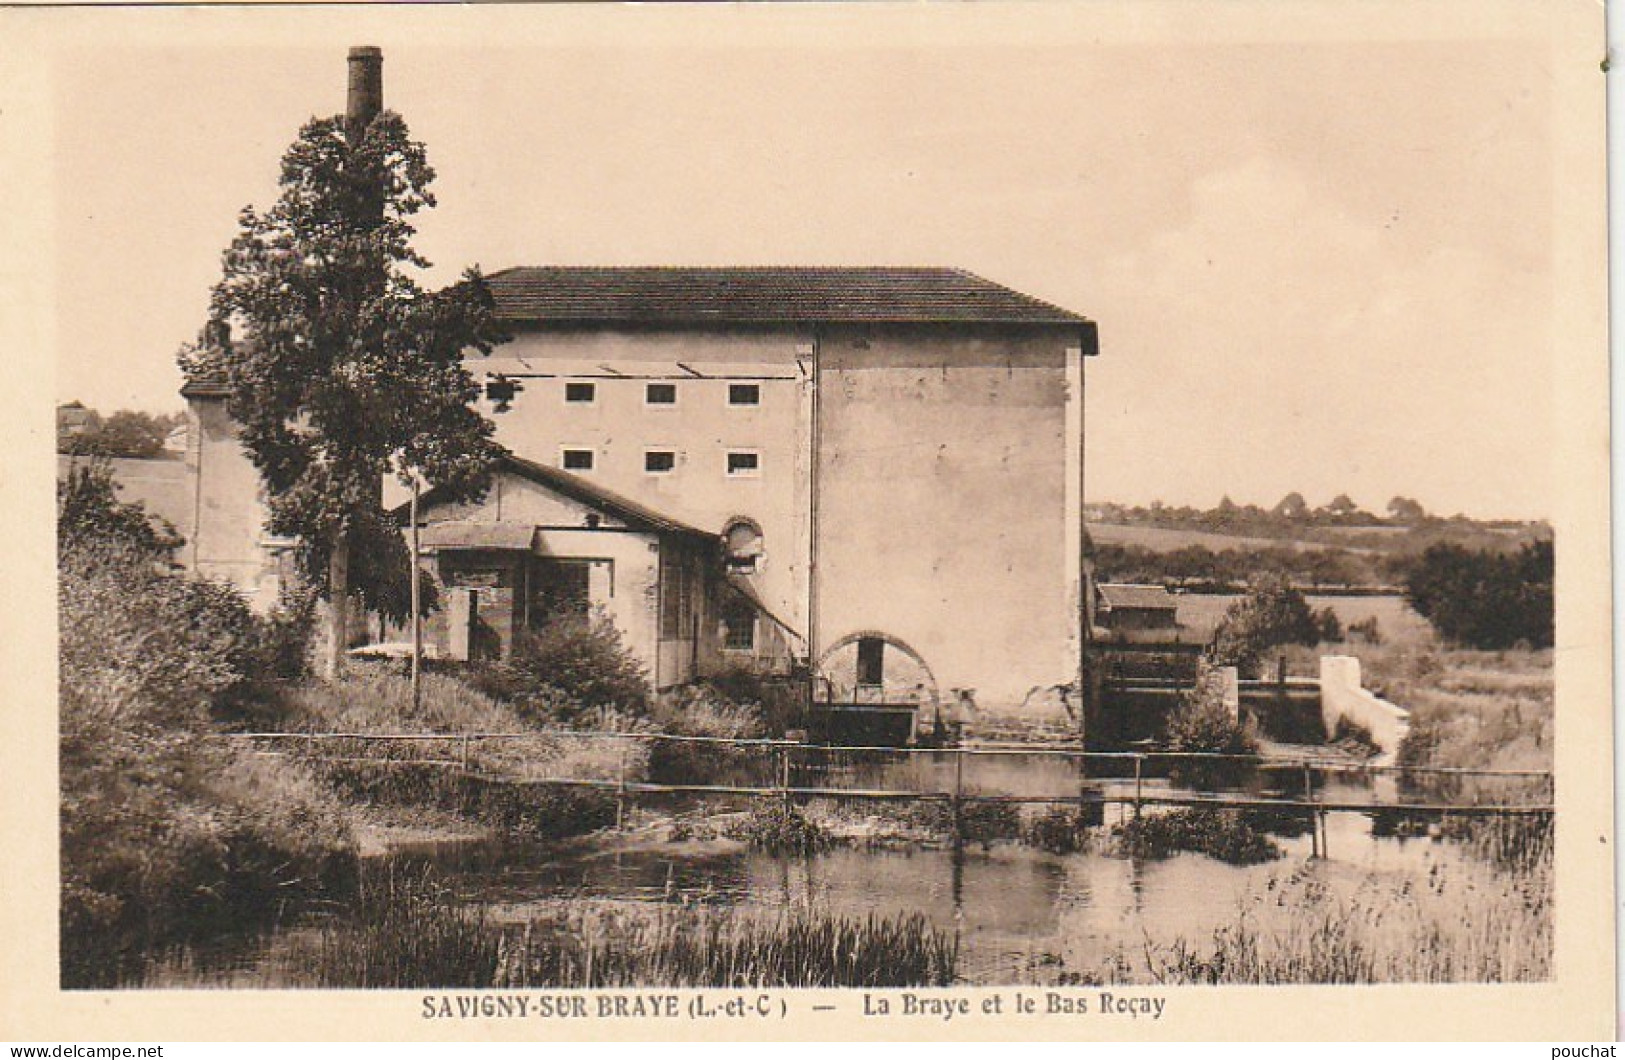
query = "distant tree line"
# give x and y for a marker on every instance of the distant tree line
(1486, 599)
(1293, 517)
(1232, 569)
(126, 433)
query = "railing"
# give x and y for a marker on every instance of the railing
(792, 771)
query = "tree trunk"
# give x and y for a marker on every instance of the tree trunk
(338, 608)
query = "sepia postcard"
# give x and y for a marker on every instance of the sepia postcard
(1043, 521)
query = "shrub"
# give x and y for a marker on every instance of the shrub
(985, 823)
(1328, 627)
(1366, 630)
(1203, 725)
(1059, 832)
(88, 511)
(1225, 835)
(779, 829)
(569, 667)
(166, 833)
(779, 702)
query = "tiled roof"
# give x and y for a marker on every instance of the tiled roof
(767, 295)
(593, 495)
(469, 534)
(1150, 597)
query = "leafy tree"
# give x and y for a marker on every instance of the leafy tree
(88, 511)
(1486, 599)
(348, 369)
(1292, 506)
(1407, 511)
(1270, 615)
(125, 433)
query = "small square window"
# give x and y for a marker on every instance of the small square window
(744, 464)
(659, 461)
(744, 394)
(738, 628)
(580, 393)
(577, 459)
(660, 394)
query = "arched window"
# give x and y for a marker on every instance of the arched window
(742, 542)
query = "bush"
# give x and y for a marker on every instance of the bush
(1225, 835)
(165, 832)
(89, 512)
(780, 702)
(1366, 630)
(571, 666)
(779, 829)
(1059, 832)
(1203, 725)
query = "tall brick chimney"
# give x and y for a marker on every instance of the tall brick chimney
(366, 94)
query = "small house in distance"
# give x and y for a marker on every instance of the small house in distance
(1133, 608)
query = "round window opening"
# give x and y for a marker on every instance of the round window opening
(742, 542)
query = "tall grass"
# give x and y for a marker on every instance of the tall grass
(409, 936)
(1387, 931)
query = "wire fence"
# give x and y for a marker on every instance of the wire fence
(659, 763)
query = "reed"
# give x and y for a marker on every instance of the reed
(1384, 932)
(409, 935)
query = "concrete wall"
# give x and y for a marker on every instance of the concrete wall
(1342, 696)
(943, 502)
(701, 428)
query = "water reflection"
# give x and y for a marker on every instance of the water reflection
(1021, 914)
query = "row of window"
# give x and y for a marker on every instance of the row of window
(662, 395)
(738, 463)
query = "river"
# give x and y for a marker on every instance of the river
(1022, 915)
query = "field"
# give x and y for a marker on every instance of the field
(1200, 613)
(1167, 539)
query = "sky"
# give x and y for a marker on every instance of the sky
(1318, 265)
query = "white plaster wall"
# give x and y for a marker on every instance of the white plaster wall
(701, 428)
(626, 585)
(1342, 696)
(226, 534)
(943, 502)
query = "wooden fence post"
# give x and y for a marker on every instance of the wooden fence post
(1138, 760)
(959, 796)
(1314, 823)
(784, 774)
(620, 785)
